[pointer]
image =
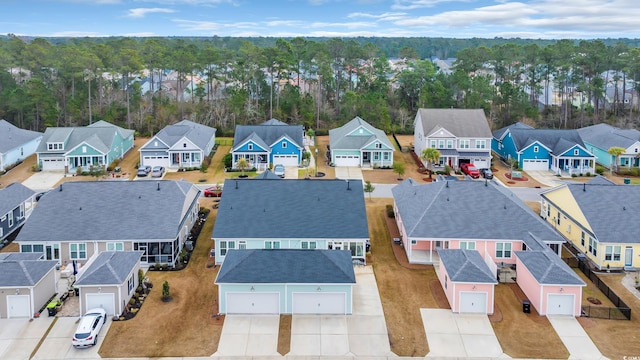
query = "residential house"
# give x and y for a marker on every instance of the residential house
(109, 281)
(16, 203)
(78, 220)
(561, 151)
(98, 144)
(439, 221)
(291, 214)
(357, 143)
(272, 142)
(26, 284)
(595, 218)
(286, 281)
(460, 135)
(16, 144)
(184, 144)
(599, 138)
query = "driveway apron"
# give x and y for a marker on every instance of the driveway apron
(249, 335)
(574, 338)
(43, 180)
(18, 337)
(57, 345)
(348, 173)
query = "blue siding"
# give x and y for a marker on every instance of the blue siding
(602, 156)
(581, 152)
(508, 147)
(290, 149)
(245, 148)
(20, 153)
(17, 222)
(530, 154)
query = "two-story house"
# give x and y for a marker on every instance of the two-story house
(600, 138)
(272, 142)
(460, 135)
(184, 144)
(98, 144)
(357, 143)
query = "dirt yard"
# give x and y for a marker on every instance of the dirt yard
(19, 173)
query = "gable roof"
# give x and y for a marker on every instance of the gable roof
(556, 140)
(110, 210)
(271, 266)
(268, 132)
(469, 210)
(605, 136)
(15, 256)
(198, 134)
(98, 135)
(12, 136)
(466, 266)
(285, 209)
(267, 175)
(463, 123)
(547, 268)
(12, 196)
(110, 268)
(339, 139)
(498, 134)
(25, 273)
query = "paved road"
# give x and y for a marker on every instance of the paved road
(527, 194)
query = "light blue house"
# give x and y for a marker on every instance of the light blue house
(561, 151)
(357, 143)
(272, 142)
(184, 144)
(67, 148)
(16, 144)
(601, 137)
(16, 203)
(291, 281)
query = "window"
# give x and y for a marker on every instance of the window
(184, 145)
(130, 284)
(593, 247)
(576, 152)
(1, 231)
(569, 228)
(378, 146)
(21, 210)
(10, 218)
(414, 242)
(385, 156)
(84, 149)
(250, 146)
(115, 246)
(433, 143)
(225, 246)
(440, 144)
(77, 251)
(242, 245)
(445, 282)
(503, 250)
(272, 244)
(612, 252)
(481, 144)
(467, 245)
(536, 149)
(464, 144)
(449, 144)
(32, 248)
(284, 145)
(582, 238)
(308, 245)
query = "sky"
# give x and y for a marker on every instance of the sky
(544, 19)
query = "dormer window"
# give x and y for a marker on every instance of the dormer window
(360, 131)
(535, 149)
(184, 145)
(155, 143)
(55, 146)
(284, 145)
(378, 146)
(84, 149)
(250, 146)
(576, 152)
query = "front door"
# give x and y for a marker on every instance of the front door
(365, 156)
(628, 256)
(52, 252)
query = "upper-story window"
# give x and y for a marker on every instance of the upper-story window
(250, 146)
(481, 144)
(55, 146)
(284, 145)
(576, 152)
(464, 144)
(440, 144)
(84, 149)
(536, 149)
(433, 144)
(449, 144)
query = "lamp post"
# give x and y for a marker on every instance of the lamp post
(316, 162)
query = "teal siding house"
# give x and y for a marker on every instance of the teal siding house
(291, 281)
(357, 143)
(67, 148)
(601, 137)
(272, 142)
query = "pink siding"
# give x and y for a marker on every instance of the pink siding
(448, 290)
(453, 290)
(566, 290)
(422, 245)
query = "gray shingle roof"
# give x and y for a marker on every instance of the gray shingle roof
(267, 175)
(302, 209)
(469, 210)
(557, 140)
(110, 268)
(500, 132)
(547, 268)
(24, 272)
(466, 266)
(269, 131)
(338, 138)
(12, 136)
(12, 196)
(198, 134)
(14, 256)
(464, 123)
(606, 136)
(99, 135)
(110, 210)
(287, 266)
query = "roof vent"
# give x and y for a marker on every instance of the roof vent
(158, 189)
(236, 184)
(624, 208)
(584, 187)
(80, 208)
(505, 206)
(60, 187)
(139, 196)
(348, 185)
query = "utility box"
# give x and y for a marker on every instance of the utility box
(526, 306)
(52, 308)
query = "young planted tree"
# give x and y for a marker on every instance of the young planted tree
(398, 168)
(166, 294)
(242, 164)
(368, 188)
(615, 152)
(430, 155)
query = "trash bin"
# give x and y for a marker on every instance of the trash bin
(526, 306)
(627, 181)
(52, 308)
(77, 290)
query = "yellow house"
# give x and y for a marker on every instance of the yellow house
(599, 218)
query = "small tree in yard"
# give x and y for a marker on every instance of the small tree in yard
(615, 152)
(399, 169)
(430, 155)
(166, 295)
(242, 165)
(368, 188)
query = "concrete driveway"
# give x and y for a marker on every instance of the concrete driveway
(43, 180)
(290, 172)
(249, 335)
(574, 338)
(19, 337)
(459, 335)
(348, 173)
(57, 344)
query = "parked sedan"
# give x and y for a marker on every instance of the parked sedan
(90, 325)
(486, 173)
(279, 170)
(144, 170)
(157, 171)
(470, 170)
(214, 191)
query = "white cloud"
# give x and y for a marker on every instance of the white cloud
(419, 4)
(208, 26)
(190, 2)
(348, 25)
(278, 23)
(142, 12)
(72, 33)
(388, 16)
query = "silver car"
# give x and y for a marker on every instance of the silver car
(158, 171)
(90, 325)
(279, 170)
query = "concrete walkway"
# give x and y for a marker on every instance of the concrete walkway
(574, 338)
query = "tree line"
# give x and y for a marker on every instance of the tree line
(321, 83)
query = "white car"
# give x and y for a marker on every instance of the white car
(90, 325)
(279, 170)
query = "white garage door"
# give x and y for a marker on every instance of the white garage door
(319, 303)
(535, 165)
(481, 163)
(156, 161)
(18, 306)
(105, 301)
(286, 160)
(253, 303)
(347, 160)
(52, 164)
(473, 302)
(560, 304)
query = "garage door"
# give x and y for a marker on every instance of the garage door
(52, 164)
(535, 165)
(156, 161)
(347, 160)
(481, 163)
(18, 306)
(560, 304)
(286, 160)
(105, 301)
(473, 302)
(319, 303)
(253, 303)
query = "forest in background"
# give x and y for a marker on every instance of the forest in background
(318, 82)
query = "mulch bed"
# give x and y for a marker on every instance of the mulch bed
(497, 314)
(438, 293)
(522, 178)
(398, 251)
(521, 296)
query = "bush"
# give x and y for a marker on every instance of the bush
(165, 290)
(228, 160)
(390, 212)
(600, 169)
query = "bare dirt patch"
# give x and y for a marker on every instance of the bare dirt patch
(19, 173)
(284, 335)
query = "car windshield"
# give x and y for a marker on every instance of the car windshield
(81, 335)
(142, 168)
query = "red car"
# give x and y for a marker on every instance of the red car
(470, 170)
(214, 191)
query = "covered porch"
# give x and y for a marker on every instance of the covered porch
(563, 165)
(259, 160)
(425, 251)
(376, 158)
(185, 159)
(85, 162)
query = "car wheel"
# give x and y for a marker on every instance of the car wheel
(95, 340)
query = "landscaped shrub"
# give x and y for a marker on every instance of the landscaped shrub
(228, 160)
(390, 212)
(600, 169)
